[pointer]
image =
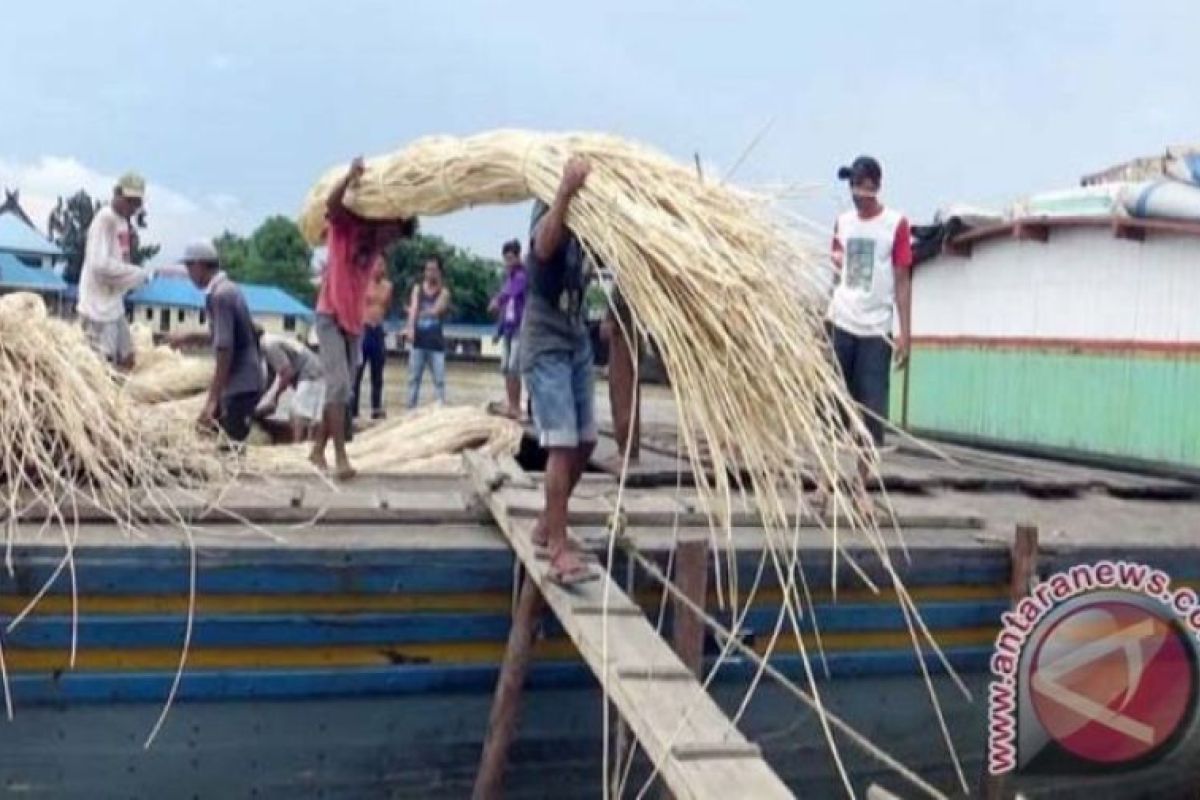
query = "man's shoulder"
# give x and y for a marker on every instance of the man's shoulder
(229, 294)
(105, 217)
(846, 219)
(341, 224)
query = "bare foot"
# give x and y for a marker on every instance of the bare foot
(567, 568)
(344, 471)
(317, 459)
(540, 536)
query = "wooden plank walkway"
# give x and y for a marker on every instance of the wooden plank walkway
(699, 752)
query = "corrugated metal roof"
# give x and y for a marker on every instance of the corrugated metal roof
(15, 275)
(180, 292)
(17, 237)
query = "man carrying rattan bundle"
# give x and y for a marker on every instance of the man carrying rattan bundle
(872, 253)
(556, 360)
(108, 273)
(355, 244)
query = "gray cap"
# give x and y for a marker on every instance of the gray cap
(200, 251)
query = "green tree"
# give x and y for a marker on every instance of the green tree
(69, 222)
(275, 254)
(473, 280)
(68, 226)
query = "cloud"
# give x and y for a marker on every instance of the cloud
(221, 62)
(173, 218)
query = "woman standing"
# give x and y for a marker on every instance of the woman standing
(426, 308)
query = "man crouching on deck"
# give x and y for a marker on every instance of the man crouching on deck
(556, 359)
(354, 244)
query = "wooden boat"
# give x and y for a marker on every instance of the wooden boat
(358, 659)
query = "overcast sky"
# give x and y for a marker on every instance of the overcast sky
(232, 111)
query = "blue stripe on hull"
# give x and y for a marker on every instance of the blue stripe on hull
(102, 687)
(268, 630)
(280, 570)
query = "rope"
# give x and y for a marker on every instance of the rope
(837, 722)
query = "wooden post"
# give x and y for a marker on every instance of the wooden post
(1024, 568)
(691, 576)
(506, 706)
(1024, 562)
(624, 387)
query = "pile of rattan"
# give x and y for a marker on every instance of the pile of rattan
(427, 440)
(161, 373)
(72, 438)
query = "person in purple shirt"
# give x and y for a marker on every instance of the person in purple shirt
(510, 305)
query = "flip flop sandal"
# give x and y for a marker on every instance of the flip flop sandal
(572, 577)
(542, 551)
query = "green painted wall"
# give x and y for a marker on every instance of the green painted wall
(1146, 407)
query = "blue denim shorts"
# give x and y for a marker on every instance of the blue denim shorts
(562, 390)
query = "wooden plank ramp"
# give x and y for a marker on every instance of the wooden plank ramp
(700, 754)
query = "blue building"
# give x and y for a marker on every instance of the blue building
(28, 260)
(171, 303)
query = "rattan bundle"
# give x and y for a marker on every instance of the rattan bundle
(732, 299)
(161, 373)
(426, 440)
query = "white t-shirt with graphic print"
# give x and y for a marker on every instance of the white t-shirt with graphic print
(870, 251)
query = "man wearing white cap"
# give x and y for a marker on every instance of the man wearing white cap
(108, 274)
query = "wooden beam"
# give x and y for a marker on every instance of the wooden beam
(687, 629)
(1123, 230)
(1024, 562)
(506, 706)
(1031, 231)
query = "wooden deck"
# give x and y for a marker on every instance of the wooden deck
(915, 468)
(285, 559)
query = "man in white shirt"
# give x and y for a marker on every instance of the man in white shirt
(872, 255)
(108, 274)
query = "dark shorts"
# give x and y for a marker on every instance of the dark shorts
(237, 412)
(866, 365)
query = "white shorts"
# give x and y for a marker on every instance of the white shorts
(308, 400)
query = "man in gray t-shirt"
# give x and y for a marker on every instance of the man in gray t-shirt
(556, 360)
(237, 380)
